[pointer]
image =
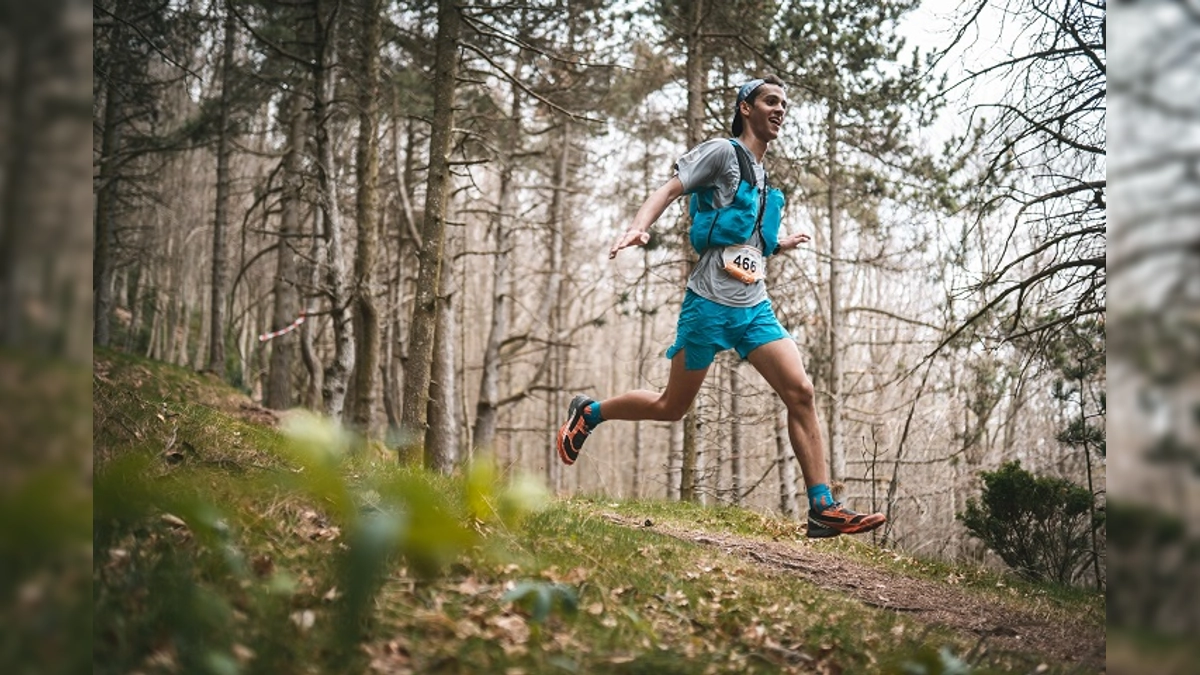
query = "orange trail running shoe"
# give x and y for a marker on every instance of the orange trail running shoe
(837, 519)
(574, 431)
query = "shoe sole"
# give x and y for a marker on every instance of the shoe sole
(821, 531)
(565, 428)
(562, 451)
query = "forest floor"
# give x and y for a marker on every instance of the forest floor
(218, 549)
(1007, 620)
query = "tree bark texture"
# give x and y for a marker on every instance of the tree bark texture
(736, 471)
(106, 204)
(337, 374)
(310, 329)
(366, 314)
(220, 273)
(689, 470)
(441, 438)
(837, 450)
(787, 467)
(433, 230)
(487, 408)
(695, 128)
(548, 313)
(287, 301)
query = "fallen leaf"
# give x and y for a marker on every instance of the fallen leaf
(513, 628)
(304, 619)
(577, 575)
(173, 520)
(164, 659)
(466, 628)
(243, 653)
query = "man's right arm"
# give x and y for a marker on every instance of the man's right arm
(654, 206)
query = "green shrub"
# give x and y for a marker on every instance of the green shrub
(1039, 525)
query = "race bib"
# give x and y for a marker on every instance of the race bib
(745, 263)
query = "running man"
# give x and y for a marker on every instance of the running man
(736, 219)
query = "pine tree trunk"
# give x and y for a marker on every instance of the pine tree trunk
(1087, 456)
(201, 353)
(409, 242)
(134, 298)
(787, 468)
(837, 451)
(173, 292)
(720, 446)
(337, 375)
(216, 338)
(643, 319)
(548, 311)
(695, 128)
(737, 477)
(433, 230)
(675, 445)
(309, 330)
(441, 438)
(487, 407)
(287, 302)
(689, 468)
(366, 315)
(180, 357)
(106, 203)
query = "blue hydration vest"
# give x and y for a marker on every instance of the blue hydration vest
(733, 224)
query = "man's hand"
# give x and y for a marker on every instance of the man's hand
(630, 238)
(651, 209)
(790, 242)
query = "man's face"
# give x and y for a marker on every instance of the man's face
(765, 115)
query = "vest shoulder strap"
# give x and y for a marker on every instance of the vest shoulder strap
(745, 164)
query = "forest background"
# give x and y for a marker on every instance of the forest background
(431, 187)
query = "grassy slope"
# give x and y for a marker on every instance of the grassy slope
(170, 596)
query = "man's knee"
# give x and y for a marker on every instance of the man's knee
(800, 394)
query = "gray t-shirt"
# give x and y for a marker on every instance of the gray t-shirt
(714, 164)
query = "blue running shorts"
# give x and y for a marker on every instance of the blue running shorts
(706, 327)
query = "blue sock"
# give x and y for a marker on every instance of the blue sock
(591, 414)
(819, 497)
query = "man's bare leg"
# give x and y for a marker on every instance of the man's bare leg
(583, 414)
(668, 405)
(780, 364)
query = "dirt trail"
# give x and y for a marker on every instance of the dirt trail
(999, 625)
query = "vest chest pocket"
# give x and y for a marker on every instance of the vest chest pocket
(744, 263)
